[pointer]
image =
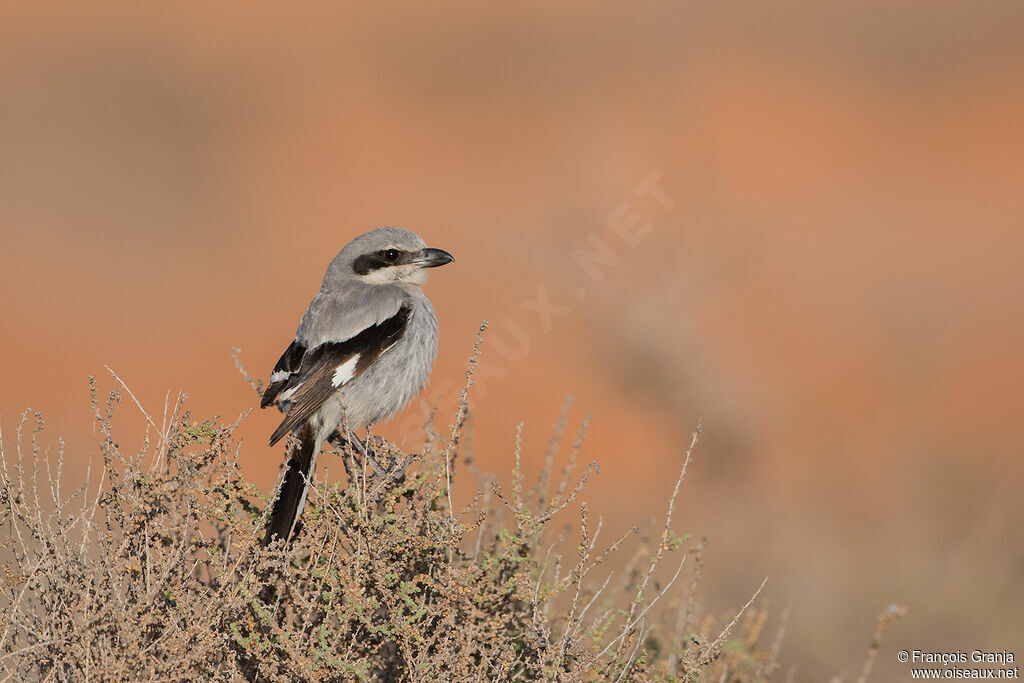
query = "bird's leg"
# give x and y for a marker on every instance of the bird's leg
(361, 447)
(337, 442)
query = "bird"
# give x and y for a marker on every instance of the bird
(363, 350)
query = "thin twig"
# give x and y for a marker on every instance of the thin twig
(461, 414)
(630, 625)
(717, 643)
(887, 618)
(667, 528)
(139, 405)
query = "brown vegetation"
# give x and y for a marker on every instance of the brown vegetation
(153, 569)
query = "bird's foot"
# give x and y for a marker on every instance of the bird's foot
(384, 477)
(337, 440)
(368, 455)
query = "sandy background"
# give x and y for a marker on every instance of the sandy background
(829, 278)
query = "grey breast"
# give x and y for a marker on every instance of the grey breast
(398, 375)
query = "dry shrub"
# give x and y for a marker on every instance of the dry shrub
(155, 570)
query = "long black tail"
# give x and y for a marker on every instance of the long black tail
(300, 465)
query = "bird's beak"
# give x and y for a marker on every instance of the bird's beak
(432, 258)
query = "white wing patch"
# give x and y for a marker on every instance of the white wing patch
(345, 371)
(280, 375)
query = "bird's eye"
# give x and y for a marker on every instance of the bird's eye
(391, 254)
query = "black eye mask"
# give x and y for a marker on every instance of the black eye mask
(382, 259)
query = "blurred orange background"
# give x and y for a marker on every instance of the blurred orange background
(825, 209)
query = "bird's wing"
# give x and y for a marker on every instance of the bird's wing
(338, 313)
(333, 316)
(291, 361)
(308, 377)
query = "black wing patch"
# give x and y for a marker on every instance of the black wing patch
(289, 364)
(313, 383)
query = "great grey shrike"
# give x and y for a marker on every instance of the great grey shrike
(364, 348)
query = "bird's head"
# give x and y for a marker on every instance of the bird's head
(389, 256)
